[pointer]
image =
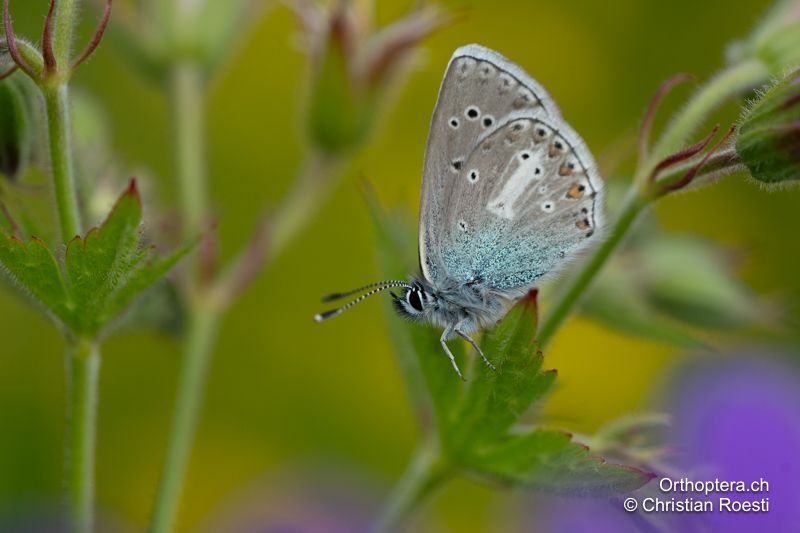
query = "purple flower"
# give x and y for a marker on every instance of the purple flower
(738, 419)
(735, 419)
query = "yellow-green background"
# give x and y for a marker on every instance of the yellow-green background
(286, 394)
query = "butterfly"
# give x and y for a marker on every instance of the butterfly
(510, 194)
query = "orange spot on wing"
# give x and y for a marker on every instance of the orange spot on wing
(576, 191)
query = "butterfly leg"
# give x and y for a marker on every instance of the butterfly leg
(443, 340)
(477, 348)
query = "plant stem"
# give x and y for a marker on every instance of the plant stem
(83, 356)
(59, 126)
(187, 85)
(566, 300)
(424, 474)
(83, 371)
(65, 20)
(200, 339)
(729, 82)
(313, 183)
(188, 103)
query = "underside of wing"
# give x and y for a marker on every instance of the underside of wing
(480, 91)
(527, 198)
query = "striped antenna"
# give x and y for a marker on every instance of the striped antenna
(340, 295)
(333, 312)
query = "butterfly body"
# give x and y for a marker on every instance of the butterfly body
(470, 306)
(510, 194)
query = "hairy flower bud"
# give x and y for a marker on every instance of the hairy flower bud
(769, 136)
(354, 65)
(17, 126)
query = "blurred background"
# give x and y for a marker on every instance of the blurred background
(312, 419)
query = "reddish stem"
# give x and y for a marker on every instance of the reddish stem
(649, 116)
(11, 222)
(683, 155)
(11, 41)
(9, 72)
(50, 65)
(96, 38)
(692, 172)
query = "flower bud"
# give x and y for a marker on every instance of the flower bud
(17, 125)
(338, 114)
(665, 287)
(769, 135)
(355, 66)
(689, 280)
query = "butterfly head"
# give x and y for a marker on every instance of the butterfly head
(415, 301)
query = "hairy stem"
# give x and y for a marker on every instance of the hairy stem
(188, 88)
(728, 83)
(313, 183)
(65, 21)
(189, 122)
(199, 345)
(83, 371)
(59, 127)
(423, 476)
(188, 104)
(83, 356)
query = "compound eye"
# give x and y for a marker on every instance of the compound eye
(414, 300)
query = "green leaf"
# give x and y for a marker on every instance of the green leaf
(641, 438)
(99, 263)
(549, 461)
(34, 269)
(102, 272)
(497, 399)
(160, 308)
(141, 279)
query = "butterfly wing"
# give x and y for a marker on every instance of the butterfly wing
(527, 198)
(524, 197)
(480, 89)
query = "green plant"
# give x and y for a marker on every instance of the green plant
(475, 430)
(180, 46)
(82, 282)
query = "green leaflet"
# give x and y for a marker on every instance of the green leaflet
(549, 461)
(35, 270)
(475, 423)
(101, 275)
(494, 401)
